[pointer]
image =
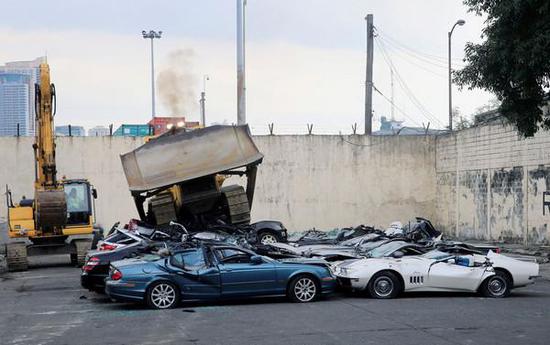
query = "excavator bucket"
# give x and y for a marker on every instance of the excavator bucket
(180, 156)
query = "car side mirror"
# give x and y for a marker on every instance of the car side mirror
(256, 260)
(398, 254)
(94, 193)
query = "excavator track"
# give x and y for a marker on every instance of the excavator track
(237, 204)
(16, 257)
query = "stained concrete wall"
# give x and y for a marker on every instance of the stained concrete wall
(94, 158)
(304, 181)
(490, 184)
(332, 181)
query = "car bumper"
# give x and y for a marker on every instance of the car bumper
(93, 282)
(124, 291)
(328, 286)
(350, 284)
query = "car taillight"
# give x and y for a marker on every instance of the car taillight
(497, 250)
(107, 246)
(116, 275)
(90, 264)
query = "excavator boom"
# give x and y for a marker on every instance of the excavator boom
(50, 200)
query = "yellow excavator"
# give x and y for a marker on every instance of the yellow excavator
(60, 218)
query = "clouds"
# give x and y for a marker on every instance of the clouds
(305, 59)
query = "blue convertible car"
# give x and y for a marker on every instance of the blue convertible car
(211, 272)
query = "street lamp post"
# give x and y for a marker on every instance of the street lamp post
(152, 35)
(203, 100)
(450, 33)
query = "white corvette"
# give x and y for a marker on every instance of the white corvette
(493, 275)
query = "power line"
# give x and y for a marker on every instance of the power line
(429, 116)
(395, 42)
(396, 107)
(434, 63)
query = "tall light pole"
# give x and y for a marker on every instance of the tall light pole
(241, 79)
(450, 33)
(203, 100)
(152, 35)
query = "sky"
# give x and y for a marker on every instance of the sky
(305, 59)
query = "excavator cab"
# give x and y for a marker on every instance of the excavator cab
(80, 196)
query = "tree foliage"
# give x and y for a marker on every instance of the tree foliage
(513, 62)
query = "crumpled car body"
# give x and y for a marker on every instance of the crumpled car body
(494, 274)
(210, 272)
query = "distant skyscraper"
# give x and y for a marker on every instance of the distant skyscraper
(75, 131)
(98, 131)
(17, 81)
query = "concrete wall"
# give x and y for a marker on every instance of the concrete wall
(94, 158)
(330, 181)
(333, 181)
(499, 190)
(304, 181)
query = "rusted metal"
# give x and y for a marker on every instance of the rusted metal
(51, 209)
(181, 156)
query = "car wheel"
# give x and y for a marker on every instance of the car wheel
(267, 238)
(496, 286)
(384, 285)
(162, 295)
(303, 289)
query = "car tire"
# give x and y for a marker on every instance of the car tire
(496, 286)
(162, 295)
(384, 285)
(303, 289)
(267, 237)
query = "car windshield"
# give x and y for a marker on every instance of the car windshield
(385, 249)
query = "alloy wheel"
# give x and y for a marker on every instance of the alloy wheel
(163, 296)
(305, 289)
(268, 239)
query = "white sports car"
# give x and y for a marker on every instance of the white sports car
(493, 275)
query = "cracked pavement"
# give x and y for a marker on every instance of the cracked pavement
(47, 306)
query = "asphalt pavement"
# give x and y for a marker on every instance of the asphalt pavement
(46, 305)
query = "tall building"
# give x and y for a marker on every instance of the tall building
(98, 131)
(74, 131)
(17, 80)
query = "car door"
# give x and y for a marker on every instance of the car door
(239, 276)
(448, 275)
(196, 275)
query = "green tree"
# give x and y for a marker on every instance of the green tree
(513, 62)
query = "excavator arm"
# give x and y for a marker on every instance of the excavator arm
(50, 200)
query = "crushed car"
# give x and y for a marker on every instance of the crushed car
(213, 271)
(388, 272)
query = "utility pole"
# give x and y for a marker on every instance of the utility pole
(152, 35)
(368, 81)
(203, 100)
(392, 96)
(241, 85)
